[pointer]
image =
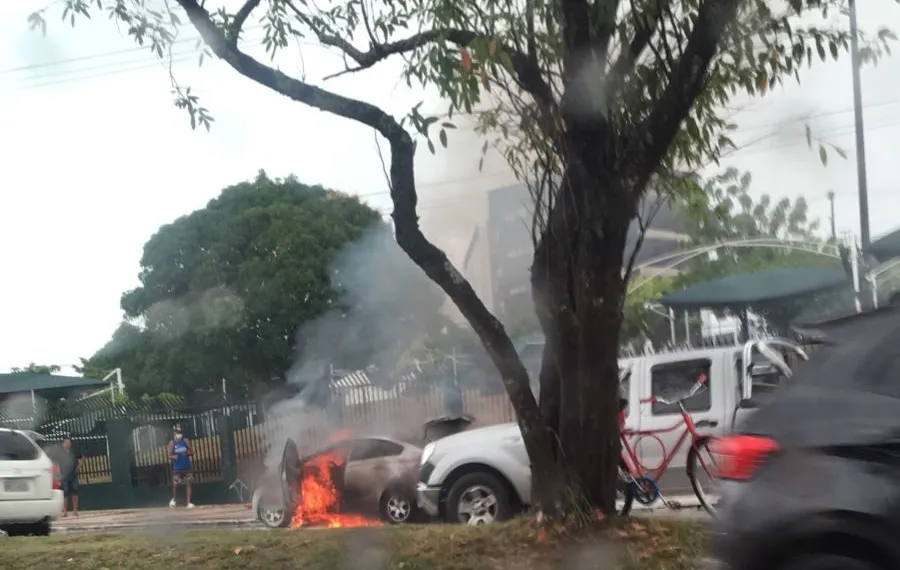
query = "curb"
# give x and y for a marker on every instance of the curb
(233, 524)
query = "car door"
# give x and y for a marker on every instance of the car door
(671, 377)
(371, 465)
(25, 471)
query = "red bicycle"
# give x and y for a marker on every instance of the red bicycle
(637, 482)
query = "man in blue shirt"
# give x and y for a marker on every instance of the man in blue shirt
(180, 454)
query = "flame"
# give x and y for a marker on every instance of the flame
(319, 499)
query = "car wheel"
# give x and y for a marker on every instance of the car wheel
(273, 517)
(397, 506)
(827, 562)
(478, 498)
(40, 528)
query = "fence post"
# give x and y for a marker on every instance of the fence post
(121, 453)
(227, 450)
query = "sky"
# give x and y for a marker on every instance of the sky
(96, 158)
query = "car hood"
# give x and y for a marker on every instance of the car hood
(485, 435)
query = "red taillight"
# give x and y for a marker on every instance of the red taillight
(739, 456)
(54, 474)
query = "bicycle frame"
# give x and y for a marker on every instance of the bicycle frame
(634, 466)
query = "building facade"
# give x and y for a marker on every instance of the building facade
(492, 246)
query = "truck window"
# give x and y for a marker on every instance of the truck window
(674, 379)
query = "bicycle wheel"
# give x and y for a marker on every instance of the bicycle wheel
(700, 465)
(624, 490)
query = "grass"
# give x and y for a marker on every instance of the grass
(517, 545)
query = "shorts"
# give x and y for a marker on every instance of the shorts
(69, 487)
(182, 477)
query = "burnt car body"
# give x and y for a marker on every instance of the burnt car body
(372, 476)
(812, 480)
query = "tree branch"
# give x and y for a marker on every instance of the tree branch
(234, 30)
(646, 27)
(576, 34)
(650, 142)
(409, 236)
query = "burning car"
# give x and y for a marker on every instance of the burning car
(353, 482)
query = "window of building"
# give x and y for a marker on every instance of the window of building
(675, 379)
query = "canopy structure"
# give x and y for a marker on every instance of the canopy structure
(27, 382)
(886, 247)
(763, 287)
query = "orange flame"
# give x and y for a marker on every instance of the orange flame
(319, 503)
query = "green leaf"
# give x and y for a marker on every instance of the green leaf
(808, 136)
(840, 152)
(823, 155)
(443, 137)
(430, 146)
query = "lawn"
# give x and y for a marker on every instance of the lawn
(518, 545)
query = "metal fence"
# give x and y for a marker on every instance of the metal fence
(358, 409)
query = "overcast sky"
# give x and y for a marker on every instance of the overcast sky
(96, 158)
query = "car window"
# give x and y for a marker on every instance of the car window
(675, 379)
(374, 448)
(16, 447)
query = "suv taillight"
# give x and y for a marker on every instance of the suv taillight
(739, 456)
(54, 474)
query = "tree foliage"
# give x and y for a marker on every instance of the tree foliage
(265, 274)
(34, 368)
(604, 96)
(729, 214)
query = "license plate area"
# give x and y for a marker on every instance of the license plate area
(17, 485)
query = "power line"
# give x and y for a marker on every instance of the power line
(106, 54)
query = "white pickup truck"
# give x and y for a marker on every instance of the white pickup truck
(483, 475)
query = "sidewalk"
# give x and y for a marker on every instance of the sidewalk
(212, 516)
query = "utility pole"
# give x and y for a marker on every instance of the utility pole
(860, 131)
(831, 219)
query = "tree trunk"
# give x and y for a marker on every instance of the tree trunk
(579, 289)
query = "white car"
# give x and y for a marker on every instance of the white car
(475, 477)
(29, 486)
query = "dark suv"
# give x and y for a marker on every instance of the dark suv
(812, 480)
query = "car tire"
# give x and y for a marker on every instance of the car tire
(273, 518)
(397, 506)
(475, 488)
(42, 528)
(827, 562)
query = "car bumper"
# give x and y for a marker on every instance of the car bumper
(428, 499)
(24, 512)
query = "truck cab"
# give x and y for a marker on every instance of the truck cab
(732, 392)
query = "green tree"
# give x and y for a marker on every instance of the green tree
(732, 214)
(619, 95)
(33, 368)
(269, 274)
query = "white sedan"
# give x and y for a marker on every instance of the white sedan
(29, 486)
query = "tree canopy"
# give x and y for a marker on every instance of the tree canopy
(731, 213)
(269, 275)
(34, 368)
(601, 98)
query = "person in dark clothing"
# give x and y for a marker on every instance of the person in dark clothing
(69, 463)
